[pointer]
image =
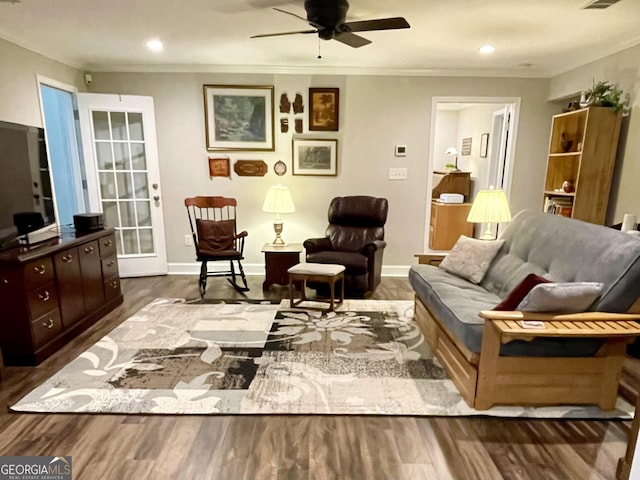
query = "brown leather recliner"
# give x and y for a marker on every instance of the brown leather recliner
(355, 239)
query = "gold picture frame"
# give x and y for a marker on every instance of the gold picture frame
(314, 157)
(239, 118)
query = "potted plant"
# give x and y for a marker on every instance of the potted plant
(604, 94)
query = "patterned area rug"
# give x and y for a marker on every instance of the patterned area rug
(181, 357)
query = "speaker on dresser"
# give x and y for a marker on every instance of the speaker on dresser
(88, 222)
(27, 222)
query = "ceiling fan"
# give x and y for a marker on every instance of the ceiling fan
(328, 19)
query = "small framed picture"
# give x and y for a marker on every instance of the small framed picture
(315, 157)
(484, 145)
(219, 167)
(466, 146)
(324, 109)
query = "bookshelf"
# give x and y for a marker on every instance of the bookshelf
(582, 151)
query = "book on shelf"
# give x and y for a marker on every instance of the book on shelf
(559, 206)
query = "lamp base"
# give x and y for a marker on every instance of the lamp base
(277, 227)
(488, 233)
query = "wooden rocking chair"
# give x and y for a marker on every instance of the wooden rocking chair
(213, 227)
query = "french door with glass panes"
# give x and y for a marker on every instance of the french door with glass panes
(123, 179)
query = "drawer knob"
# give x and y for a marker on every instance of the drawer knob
(108, 243)
(40, 269)
(110, 263)
(44, 297)
(88, 250)
(114, 284)
(48, 323)
(67, 258)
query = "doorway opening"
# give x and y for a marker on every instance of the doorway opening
(482, 132)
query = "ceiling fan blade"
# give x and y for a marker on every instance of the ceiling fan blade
(282, 33)
(351, 39)
(380, 24)
(313, 24)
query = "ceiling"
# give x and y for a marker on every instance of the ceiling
(533, 38)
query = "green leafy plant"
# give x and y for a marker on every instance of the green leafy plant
(606, 94)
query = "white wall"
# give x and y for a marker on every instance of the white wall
(19, 101)
(446, 135)
(473, 122)
(622, 68)
(376, 113)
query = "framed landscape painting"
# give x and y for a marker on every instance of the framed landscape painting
(239, 117)
(324, 110)
(315, 157)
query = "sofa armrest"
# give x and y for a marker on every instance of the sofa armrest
(558, 317)
(313, 245)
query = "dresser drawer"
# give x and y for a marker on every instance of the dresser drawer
(111, 288)
(38, 273)
(110, 267)
(46, 328)
(107, 246)
(43, 299)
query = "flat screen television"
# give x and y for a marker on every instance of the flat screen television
(25, 185)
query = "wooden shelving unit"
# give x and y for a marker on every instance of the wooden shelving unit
(582, 150)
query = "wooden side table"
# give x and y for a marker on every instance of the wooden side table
(430, 258)
(277, 260)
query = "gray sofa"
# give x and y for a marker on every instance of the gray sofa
(562, 250)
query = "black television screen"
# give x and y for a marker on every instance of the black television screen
(25, 183)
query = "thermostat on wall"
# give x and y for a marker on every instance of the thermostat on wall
(401, 150)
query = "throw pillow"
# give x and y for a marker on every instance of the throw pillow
(470, 258)
(511, 301)
(215, 235)
(569, 297)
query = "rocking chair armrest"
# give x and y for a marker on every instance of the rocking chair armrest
(241, 234)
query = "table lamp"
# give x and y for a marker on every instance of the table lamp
(453, 151)
(490, 206)
(278, 201)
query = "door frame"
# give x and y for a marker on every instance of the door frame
(513, 103)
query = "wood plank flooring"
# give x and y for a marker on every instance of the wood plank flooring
(293, 447)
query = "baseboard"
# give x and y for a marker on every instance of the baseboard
(258, 269)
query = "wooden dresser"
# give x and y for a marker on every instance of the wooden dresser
(448, 222)
(52, 291)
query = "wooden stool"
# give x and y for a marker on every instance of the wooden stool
(316, 272)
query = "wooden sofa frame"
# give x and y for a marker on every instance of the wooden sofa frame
(485, 379)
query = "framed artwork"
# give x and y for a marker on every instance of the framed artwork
(484, 145)
(315, 157)
(219, 167)
(466, 146)
(239, 118)
(324, 110)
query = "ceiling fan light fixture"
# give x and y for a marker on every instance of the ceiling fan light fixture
(487, 49)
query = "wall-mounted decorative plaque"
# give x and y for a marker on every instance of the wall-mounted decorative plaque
(250, 168)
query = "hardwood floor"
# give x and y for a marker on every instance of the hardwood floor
(295, 446)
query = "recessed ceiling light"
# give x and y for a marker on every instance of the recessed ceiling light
(155, 45)
(487, 49)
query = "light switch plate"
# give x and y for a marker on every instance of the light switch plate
(398, 174)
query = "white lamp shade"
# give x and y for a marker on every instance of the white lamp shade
(451, 151)
(490, 206)
(278, 200)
